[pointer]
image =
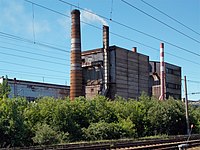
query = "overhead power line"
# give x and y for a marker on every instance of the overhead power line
(28, 66)
(194, 93)
(35, 74)
(115, 34)
(46, 45)
(147, 14)
(13, 49)
(94, 27)
(30, 58)
(11, 36)
(131, 28)
(189, 28)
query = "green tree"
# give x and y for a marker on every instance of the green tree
(14, 131)
(45, 135)
(4, 88)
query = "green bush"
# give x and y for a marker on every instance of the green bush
(50, 121)
(45, 135)
(103, 131)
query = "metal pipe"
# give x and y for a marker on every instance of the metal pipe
(76, 69)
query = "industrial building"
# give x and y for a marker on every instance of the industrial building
(172, 80)
(113, 71)
(110, 71)
(128, 73)
(33, 90)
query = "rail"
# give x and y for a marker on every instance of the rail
(171, 142)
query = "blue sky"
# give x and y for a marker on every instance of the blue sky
(28, 61)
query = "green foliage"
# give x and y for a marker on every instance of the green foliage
(13, 130)
(4, 89)
(103, 130)
(51, 121)
(45, 135)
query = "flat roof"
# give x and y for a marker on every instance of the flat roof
(38, 83)
(166, 63)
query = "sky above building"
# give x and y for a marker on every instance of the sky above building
(35, 35)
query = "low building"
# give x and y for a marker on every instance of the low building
(33, 90)
(172, 80)
(128, 73)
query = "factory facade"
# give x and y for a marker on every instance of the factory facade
(128, 73)
(33, 90)
(172, 80)
(114, 71)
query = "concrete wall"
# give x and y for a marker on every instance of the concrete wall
(132, 75)
(129, 75)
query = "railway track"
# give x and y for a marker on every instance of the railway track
(171, 142)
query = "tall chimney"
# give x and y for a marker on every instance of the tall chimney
(106, 60)
(162, 73)
(76, 70)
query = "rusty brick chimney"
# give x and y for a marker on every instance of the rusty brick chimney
(75, 70)
(106, 61)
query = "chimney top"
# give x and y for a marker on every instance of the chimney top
(134, 49)
(161, 45)
(75, 11)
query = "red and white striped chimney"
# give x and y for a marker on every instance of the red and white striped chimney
(162, 73)
(76, 69)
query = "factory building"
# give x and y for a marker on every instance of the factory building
(128, 73)
(33, 90)
(172, 80)
(110, 71)
(114, 71)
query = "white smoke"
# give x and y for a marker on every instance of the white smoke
(86, 16)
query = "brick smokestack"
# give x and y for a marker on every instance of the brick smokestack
(162, 73)
(75, 70)
(106, 60)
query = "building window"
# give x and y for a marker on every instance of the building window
(170, 71)
(174, 72)
(173, 86)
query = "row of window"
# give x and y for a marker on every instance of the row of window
(173, 86)
(172, 71)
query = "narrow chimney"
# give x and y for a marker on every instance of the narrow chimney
(76, 70)
(106, 59)
(134, 49)
(162, 73)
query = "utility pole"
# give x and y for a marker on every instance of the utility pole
(186, 106)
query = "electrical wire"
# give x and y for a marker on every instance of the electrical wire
(33, 74)
(111, 32)
(30, 58)
(13, 49)
(147, 14)
(11, 36)
(189, 28)
(28, 66)
(131, 28)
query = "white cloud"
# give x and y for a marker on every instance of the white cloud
(91, 17)
(16, 19)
